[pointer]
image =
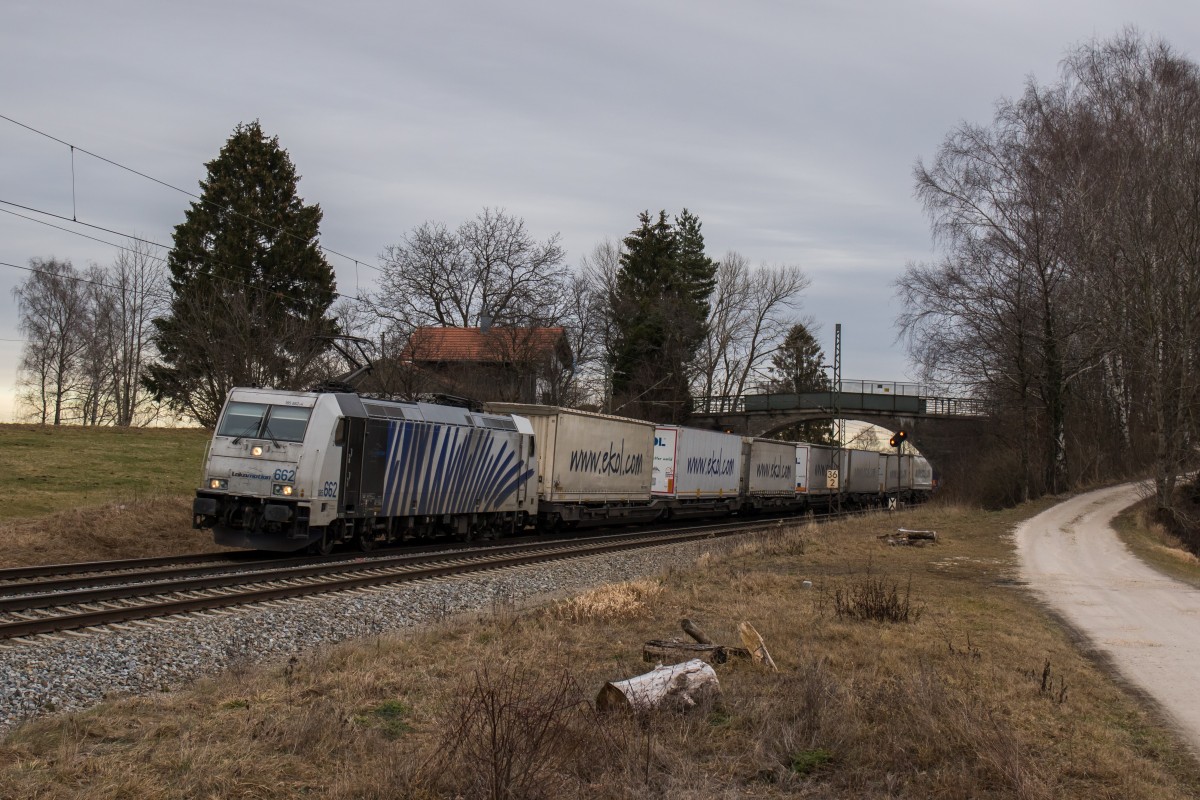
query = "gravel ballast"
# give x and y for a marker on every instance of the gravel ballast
(73, 671)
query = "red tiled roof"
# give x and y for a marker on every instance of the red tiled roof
(474, 345)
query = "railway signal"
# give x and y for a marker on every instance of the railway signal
(898, 438)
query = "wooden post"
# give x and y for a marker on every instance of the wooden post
(693, 630)
(755, 644)
(680, 686)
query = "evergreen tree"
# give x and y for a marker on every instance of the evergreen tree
(796, 367)
(660, 308)
(695, 272)
(251, 286)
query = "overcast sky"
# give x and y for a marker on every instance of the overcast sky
(790, 128)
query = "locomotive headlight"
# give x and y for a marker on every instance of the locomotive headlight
(256, 450)
(282, 489)
(218, 483)
(287, 491)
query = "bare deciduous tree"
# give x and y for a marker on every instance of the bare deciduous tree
(134, 294)
(491, 264)
(53, 316)
(1069, 290)
(751, 311)
(594, 336)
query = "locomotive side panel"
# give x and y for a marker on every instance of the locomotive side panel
(430, 469)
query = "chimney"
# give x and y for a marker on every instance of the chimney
(485, 321)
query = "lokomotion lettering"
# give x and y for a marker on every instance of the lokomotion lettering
(612, 461)
(715, 464)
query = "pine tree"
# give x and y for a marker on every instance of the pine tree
(660, 310)
(796, 366)
(797, 363)
(251, 285)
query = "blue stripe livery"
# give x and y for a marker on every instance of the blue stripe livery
(438, 469)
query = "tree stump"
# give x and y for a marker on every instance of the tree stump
(678, 686)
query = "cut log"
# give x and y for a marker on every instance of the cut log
(678, 686)
(755, 644)
(693, 630)
(930, 536)
(661, 650)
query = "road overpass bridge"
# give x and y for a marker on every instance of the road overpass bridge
(946, 430)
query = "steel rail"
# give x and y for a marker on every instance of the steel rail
(271, 572)
(80, 567)
(488, 560)
(111, 573)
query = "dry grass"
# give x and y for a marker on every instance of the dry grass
(612, 602)
(149, 526)
(981, 696)
(1150, 541)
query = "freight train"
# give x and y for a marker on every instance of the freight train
(288, 471)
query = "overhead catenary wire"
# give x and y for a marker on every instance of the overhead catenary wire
(73, 147)
(362, 301)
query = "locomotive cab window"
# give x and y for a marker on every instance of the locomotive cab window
(339, 433)
(287, 423)
(242, 419)
(260, 421)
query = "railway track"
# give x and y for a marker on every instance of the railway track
(105, 596)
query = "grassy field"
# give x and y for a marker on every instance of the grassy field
(78, 494)
(70, 466)
(903, 672)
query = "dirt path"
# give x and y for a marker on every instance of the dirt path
(1145, 622)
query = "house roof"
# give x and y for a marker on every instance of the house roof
(496, 345)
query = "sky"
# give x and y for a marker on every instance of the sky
(790, 128)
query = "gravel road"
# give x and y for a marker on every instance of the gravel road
(1147, 624)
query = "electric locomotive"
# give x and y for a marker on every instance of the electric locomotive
(290, 471)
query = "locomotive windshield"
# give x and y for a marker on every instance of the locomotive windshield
(262, 421)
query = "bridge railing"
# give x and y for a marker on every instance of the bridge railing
(847, 402)
(720, 404)
(955, 406)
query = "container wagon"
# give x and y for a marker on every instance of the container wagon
(820, 459)
(768, 474)
(591, 468)
(861, 477)
(696, 472)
